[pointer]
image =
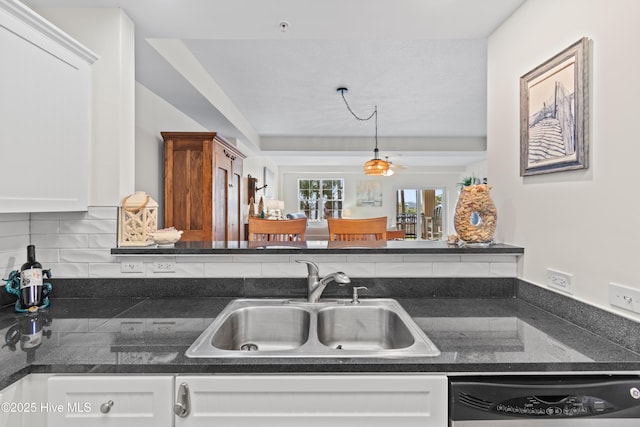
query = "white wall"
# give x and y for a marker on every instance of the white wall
(435, 178)
(110, 34)
(155, 115)
(580, 222)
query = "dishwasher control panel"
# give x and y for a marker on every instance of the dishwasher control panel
(541, 397)
(554, 406)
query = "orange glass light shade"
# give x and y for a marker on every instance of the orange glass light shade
(376, 167)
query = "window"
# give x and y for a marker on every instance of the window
(321, 198)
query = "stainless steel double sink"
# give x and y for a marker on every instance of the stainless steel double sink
(296, 328)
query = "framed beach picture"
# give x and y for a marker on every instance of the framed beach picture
(369, 194)
(554, 113)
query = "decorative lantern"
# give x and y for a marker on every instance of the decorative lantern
(137, 219)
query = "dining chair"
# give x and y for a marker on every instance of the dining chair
(268, 230)
(357, 229)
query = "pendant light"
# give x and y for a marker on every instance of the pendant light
(375, 166)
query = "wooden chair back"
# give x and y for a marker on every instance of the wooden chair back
(341, 229)
(268, 230)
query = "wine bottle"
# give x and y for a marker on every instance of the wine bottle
(31, 280)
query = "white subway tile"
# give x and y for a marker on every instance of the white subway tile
(45, 226)
(102, 212)
(221, 269)
(47, 256)
(14, 217)
(352, 269)
(374, 258)
(86, 255)
(503, 269)
(70, 241)
(103, 240)
(14, 228)
(402, 269)
(59, 215)
(95, 226)
(11, 260)
(204, 258)
(488, 258)
(461, 269)
(69, 271)
(318, 258)
(430, 258)
(257, 259)
(284, 270)
(12, 243)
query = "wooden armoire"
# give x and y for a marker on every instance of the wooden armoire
(202, 186)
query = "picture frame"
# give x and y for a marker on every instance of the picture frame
(554, 119)
(369, 194)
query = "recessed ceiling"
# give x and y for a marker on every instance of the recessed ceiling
(422, 62)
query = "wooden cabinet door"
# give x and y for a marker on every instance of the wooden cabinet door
(187, 184)
(223, 180)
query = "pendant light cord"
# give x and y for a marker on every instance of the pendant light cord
(373, 115)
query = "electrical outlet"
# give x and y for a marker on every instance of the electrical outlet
(164, 266)
(624, 297)
(132, 266)
(560, 280)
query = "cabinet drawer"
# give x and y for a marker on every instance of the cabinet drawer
(121, 401)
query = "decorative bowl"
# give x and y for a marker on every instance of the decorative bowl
(166, 236)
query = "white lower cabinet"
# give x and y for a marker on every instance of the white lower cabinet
(311, 400)
(113, 400)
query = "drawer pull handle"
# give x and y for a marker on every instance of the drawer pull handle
(181, 408)
(106, 407)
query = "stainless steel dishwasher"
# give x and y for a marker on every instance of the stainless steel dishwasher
(536, 401)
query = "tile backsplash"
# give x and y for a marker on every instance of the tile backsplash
(14, 238)
(78, 245)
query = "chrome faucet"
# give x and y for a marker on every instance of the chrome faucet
(316, 285)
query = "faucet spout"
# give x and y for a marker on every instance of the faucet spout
(315, 285)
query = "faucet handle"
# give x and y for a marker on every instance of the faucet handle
(355, 299)
(312, 267)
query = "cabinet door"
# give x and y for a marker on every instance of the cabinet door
(119, 401)
(315, 400)
(45, 109)
(223, 182)
(234, 202)
(187, 184)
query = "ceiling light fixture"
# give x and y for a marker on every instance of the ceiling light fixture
(375, 166)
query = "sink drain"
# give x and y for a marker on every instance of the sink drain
(249, 347)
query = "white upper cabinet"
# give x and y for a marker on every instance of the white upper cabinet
(45, 114)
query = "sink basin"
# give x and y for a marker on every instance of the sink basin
(263, 328)
(362, 328)
(295, 328)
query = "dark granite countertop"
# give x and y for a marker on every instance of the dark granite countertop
(146, 335)
(319, 247)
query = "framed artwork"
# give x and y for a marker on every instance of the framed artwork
(369, 193)
(554, 118)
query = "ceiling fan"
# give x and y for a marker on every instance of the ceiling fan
(393, 167)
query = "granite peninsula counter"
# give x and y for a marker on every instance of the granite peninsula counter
(319, 247)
